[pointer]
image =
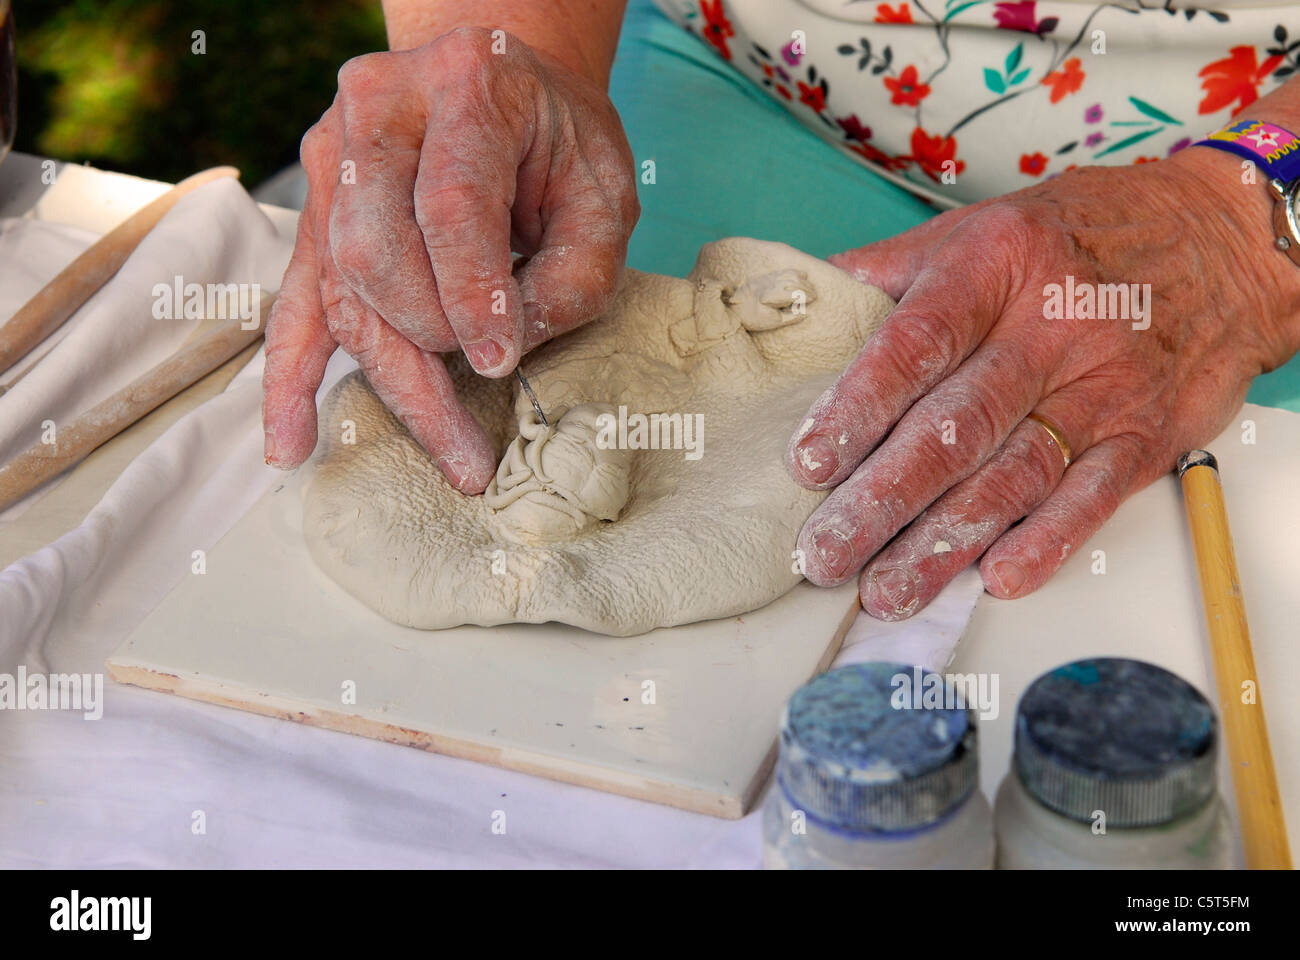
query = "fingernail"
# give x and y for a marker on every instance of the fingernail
(453, 470)
(896, 587)
(485, 355)
(835, 552)
(817, 458)
(1009, 576)
(268, 448)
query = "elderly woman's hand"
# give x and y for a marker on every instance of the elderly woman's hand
(926, 439)
(431, 166)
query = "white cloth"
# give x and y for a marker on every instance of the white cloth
(215, 234)
(32, 253)
(131, 789)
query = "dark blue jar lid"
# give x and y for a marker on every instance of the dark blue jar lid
(1123, 737)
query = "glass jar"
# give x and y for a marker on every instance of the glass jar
(869, 778)
(1114, 767)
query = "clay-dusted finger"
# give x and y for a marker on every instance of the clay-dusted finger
(374, 238)
(416, 387)
(572, 280)
(943, 439)
(463, 197)
(298, 346)
(412, 383)
(298, 342)
(1025, 557)
(952, 533)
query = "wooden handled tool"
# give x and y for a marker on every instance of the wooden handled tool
(1259, 804)
(76, 440)
(78, 281)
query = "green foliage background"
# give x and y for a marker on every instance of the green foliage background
(114, 82)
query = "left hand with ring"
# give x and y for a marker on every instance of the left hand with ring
(942, 435)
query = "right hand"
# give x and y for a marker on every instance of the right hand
(429, 168)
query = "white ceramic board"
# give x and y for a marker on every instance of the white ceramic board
(685, 716)
(1147, 604)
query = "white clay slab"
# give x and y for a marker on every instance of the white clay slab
(264, 630)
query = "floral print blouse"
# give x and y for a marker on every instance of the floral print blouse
(959, 100)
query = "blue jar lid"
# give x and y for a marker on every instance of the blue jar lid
(1120, 736)
(858, 754)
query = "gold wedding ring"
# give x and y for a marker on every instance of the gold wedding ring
(1055, 433)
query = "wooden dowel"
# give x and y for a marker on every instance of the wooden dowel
(78, 281)
(1259, 803)
(75, 441)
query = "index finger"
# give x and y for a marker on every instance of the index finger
(298, 346)
(464, 192)
(573, 278)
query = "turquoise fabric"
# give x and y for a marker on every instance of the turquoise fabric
(1281, 388)
(731, 162)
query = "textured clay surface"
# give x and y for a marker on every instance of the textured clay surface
(740, 348)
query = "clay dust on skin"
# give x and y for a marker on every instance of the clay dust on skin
(947, 542)
(865, 531)
(850, 526)
(807, 460)
(821, 413)
(859, 531)
(802, 455)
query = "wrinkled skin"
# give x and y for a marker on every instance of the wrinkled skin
(968, 348)
(430, 167)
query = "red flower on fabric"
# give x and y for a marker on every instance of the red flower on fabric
(1033, 164)
(907, 90)
(1147, 160)
(1065, 82)
(1236, 77)
(717, 27)
(932, 153)
(814, 97)
(852, 126)
(879, 156)
(1016, 16)
(887, 14)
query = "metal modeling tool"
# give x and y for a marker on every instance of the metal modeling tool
(532, 397)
